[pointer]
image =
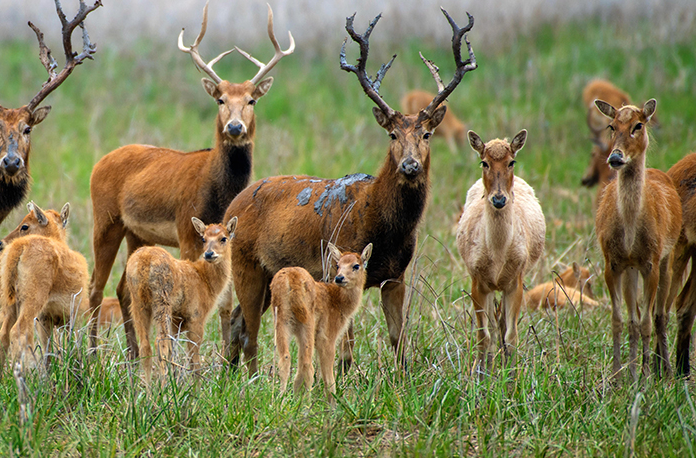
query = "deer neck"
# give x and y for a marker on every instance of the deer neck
(12, 192)
(630, 186)
(214, 275)
(499, 224)
(346, 299)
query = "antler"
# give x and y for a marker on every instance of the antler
(279, 54)
(193, 49)
(462, 67)
(72, 59)
(370, 87)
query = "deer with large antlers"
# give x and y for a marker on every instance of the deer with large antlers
(148, 194)
(638, 221)
(16, 124)
(289, 220)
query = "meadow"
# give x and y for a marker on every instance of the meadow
(315, 120)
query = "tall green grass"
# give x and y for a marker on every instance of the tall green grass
(556, 402)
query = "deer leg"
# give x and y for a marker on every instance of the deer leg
(326, 352)
(225, 310)
(651, 281)
(393, 293)
(124, 298)
(9, 319)
(282, 343)
(105, 243)
(347, 344)
(304, 380)
(630, 292)
(142, 321)
(661, 357)
(484, 318)
(195, 331)
(512, 305)
(612, 277)
(686, 311)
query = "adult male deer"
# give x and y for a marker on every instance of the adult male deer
(573, 284)
(638, 223)
(287, 220)
(683, 175)
(451, 128)
(500, 237)
(178, 294)
(149, 194)
(317, 314)
(42, 280)
(16, 124)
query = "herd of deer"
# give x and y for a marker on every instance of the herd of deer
(270, 242)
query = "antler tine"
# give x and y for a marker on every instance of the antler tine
(72, 59)
(462, 67)
(279, 53)
(195, 55)
(371, 88)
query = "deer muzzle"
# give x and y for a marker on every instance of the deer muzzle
(498, 201)
(11, 163)
(410, 167)
(616, 159)
(340, 280)
(235, 128)
(210, 256)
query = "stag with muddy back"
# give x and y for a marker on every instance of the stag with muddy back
(16, 124)
(638, 221)
(149, 194)
(288, 220)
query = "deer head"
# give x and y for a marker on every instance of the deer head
(629, 136)
(235, 120)
(47, 223)
(409, 135)
(350, 269)
(215, 238)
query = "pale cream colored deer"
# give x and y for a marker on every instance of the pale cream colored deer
(317, 314)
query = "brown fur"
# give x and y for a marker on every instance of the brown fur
(148, 194)
(500, 237)
(451, 128)
(573, 284)
(638, 223)
(178, 294)
(317, 314)
(41, 279)
(47, 223)
(683, 175)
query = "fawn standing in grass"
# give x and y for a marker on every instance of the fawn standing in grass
(178, 294)
(41, 279)
(638, 223)
(317, 314)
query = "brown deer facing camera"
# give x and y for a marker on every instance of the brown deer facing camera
(178, 294)
(638, 223)
(148, 194)
(16, 124)
(317, 314)
(307, 212)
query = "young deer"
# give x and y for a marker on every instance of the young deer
(317, 314)
(16, 124)
(307, 212)
(49, 224)
(638, 223)
(683, 175)
(178, 294)
(148, 194)
(500, 237)
(573, 284)
(451, 128)
(41, 279)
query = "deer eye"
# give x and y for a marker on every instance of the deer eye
(427, 135)
(511, 164)
(24, 227)
(356, 267)
(484, 165)
(252, 102)
(639, 126)
(392, 135)
(203, 239)
(220, 102)
(27, 130)
(223, 240)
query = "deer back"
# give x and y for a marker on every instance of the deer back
(683, 175)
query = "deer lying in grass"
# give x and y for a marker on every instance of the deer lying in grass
(573, 284)
(638, 223)
(16, 124)
(317, 314)
(683, 175)
(178, 294)
(307, 212)
(148, 194)
(451, 128)
(42, 280)
(500, 237)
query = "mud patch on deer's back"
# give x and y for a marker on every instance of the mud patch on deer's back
(335, 190)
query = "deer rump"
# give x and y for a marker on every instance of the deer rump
(288, 220)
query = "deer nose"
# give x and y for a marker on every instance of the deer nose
(235, 128)
(11, 164)
(210, 255)
(499, 201)
(410, 166)
(616, 159)
(340, 279)
(2, 245)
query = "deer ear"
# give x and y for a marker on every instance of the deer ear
(365, 256)
(334, 252)
(65, 214)
(649, 108)
(382, 119)
(437, 117)
(199, 225)
(518, 142)
(40, 215)
(476, 142)
(232, 226)
(39, 115)
(210, 87)
(262, 88)
(605, 108)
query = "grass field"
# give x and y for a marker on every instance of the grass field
(315, 120)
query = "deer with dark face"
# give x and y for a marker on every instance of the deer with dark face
(638, 221)
(287, 221)
(148, 194)
(16, 124)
